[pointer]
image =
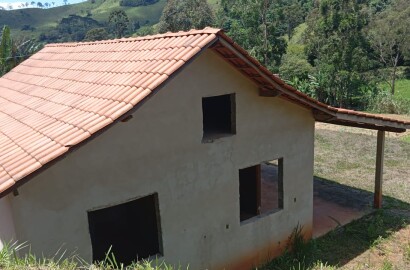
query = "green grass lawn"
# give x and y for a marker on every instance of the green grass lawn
(402, 88)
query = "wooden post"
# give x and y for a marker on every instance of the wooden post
(379, 170)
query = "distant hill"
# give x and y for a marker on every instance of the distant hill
(33, 21)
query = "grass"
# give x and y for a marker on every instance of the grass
(402, 88)
(11, 260)
(45, 19)
(339, 248)
(349, 159)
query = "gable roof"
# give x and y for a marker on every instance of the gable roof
(66, 93)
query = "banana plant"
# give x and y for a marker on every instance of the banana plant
(14, 51)
(5, 49)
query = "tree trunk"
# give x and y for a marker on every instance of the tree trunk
(265, 33)
(393, 77)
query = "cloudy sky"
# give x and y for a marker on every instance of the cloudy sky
(16, 3)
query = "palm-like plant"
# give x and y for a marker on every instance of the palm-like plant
(13, 52)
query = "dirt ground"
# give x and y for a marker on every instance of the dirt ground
(352, 165)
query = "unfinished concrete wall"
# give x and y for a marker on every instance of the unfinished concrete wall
(160, 150)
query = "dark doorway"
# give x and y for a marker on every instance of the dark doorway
(131, 230)
(218, 116)
(249, 192)
(261, 189)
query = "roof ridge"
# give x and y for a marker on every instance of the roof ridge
(207, 30)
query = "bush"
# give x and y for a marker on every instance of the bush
(385, 102)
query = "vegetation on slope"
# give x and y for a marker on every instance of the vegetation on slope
(42, 20)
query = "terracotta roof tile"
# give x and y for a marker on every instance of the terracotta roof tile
(63, 94)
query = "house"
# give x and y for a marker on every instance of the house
(156, 146)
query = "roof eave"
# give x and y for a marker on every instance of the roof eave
(321, 112)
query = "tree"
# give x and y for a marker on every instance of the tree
(183, 15)
(39, 4)
(338, 49)
(13, 52)
(33, 3)
(5, 49)
(257, 26)
(96, 34)
(294, 14)
(118, 21)
(389, 35)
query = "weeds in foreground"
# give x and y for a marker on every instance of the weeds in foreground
(340, 246)
(11, 260)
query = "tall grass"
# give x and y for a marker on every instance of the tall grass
(385, 102)
(11, 259)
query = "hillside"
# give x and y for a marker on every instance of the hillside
(44, 19)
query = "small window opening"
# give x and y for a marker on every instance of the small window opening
(218, 116)
(261, 189)
(131, 230)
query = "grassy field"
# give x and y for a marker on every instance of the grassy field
(44, 19)
(402, 88)
(379, 241)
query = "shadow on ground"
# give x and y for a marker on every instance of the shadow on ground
(346, 242)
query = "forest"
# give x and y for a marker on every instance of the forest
(346, 53)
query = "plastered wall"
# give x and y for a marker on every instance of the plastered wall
(7, 234)
(160, 150)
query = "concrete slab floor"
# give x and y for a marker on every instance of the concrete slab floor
(336, 205)
(333, 204)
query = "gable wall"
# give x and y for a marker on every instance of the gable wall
(160, 150)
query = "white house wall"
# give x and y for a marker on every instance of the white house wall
(160, 150)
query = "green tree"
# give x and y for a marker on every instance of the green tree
(257, 26)
(389, 35)
(183, 15)
(338, 49)
(118, 21)
(5, 49)
(96, 34)
(294, 14)
(13, 52)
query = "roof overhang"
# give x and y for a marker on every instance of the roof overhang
(272, 86)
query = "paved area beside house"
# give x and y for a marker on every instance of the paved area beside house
(335, 205)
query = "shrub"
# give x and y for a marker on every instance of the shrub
(385, 102)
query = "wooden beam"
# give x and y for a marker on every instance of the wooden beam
(338, 122)
(378, 193)
(321, 116)
(269, 92)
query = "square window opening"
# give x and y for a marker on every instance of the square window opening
(261, 189)
(131, 230)
(219, 117)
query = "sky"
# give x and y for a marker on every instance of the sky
(16, 3)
